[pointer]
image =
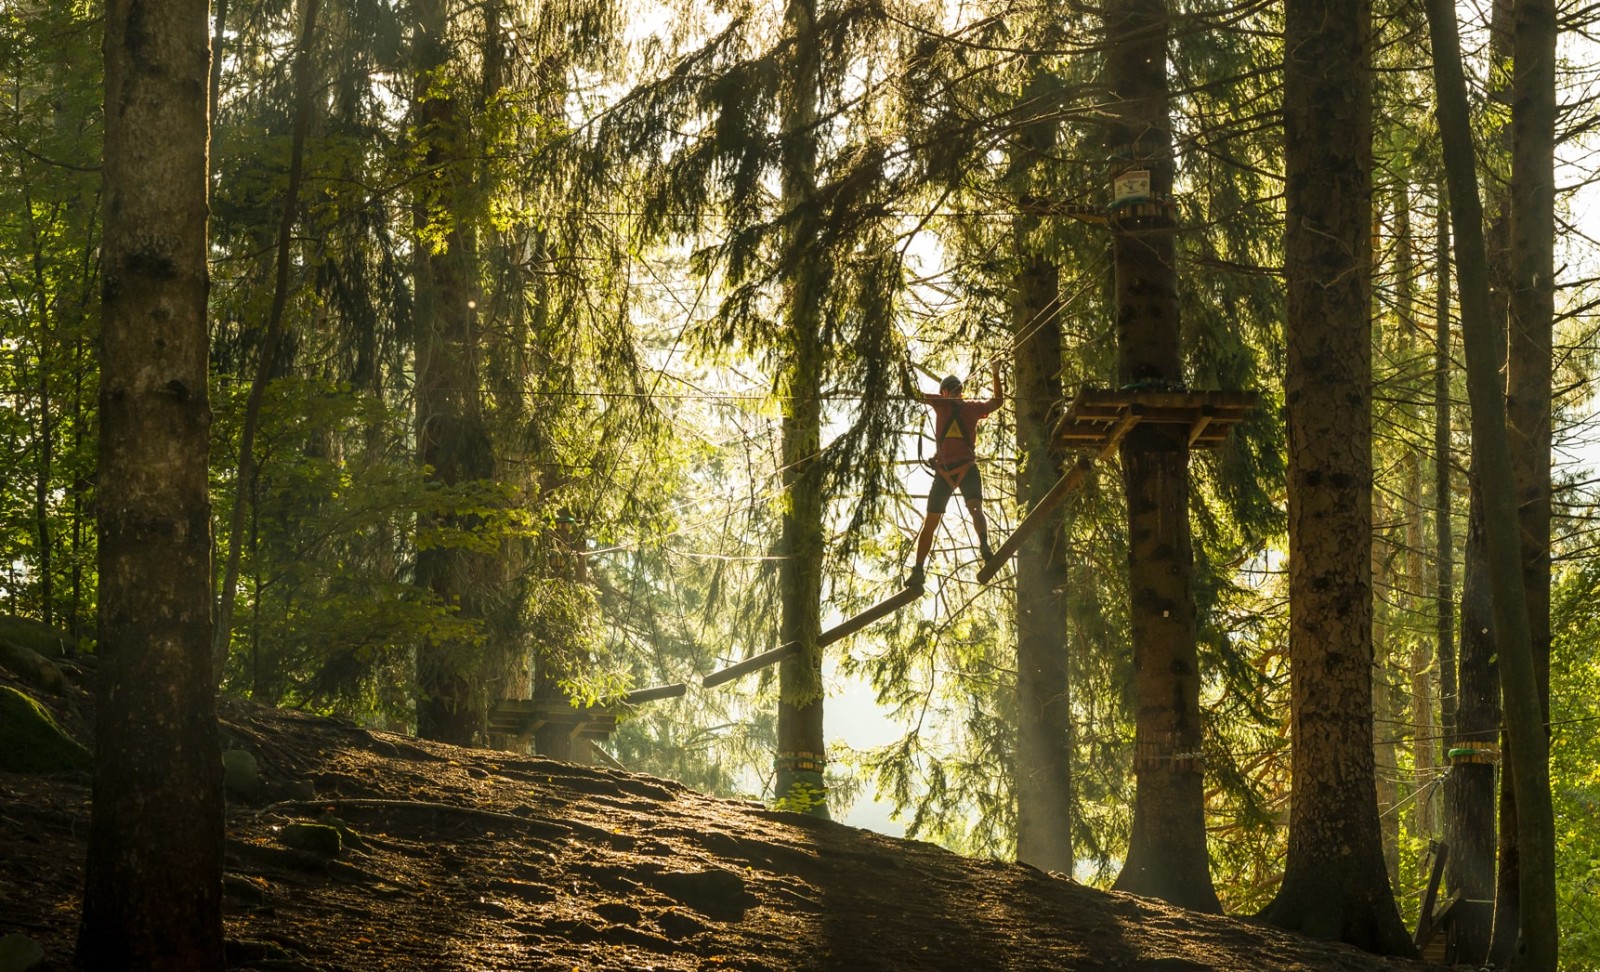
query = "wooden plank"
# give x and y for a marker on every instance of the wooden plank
(1060, 491)
(1157, 398)
(655, 693)
(843, 629)
(1440, 852)
(1209, 414)
(526, 716)
(853, 624)
(751, 664)
(1199, 428)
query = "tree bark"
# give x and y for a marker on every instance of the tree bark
(1385, 748)
(1335, 885)
(1470, 796)
(1482, 334)
(1531, 266)
(153, 879)
(1044, 703)
(1443, 522)
(1167, 856)
(799, 780)
(453, 442)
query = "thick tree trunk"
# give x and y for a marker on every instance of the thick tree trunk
(1531, 265)
(452, 439)
(1044, 710)
(802, 754)
(1482, 334)
(1167, 855)
(1335, 885)
(153, 880)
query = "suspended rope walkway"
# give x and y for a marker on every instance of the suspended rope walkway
(1096, 422)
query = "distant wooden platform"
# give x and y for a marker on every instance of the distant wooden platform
(1100, 416)
(523, 717)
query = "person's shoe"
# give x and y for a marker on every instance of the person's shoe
(916, 580)
(985, 551)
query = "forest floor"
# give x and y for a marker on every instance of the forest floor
(479, 859)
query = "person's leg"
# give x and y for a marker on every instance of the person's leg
(972, 492)
(980, 524)
(930, 526)
(938, 499)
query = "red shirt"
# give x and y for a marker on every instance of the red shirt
(955, 425)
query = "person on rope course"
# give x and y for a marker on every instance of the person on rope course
(954, 462)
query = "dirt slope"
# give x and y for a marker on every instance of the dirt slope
(472, 859)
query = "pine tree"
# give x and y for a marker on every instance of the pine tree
(801, 750)
(1044, 702)
(1529, 372)
(1167, 850)
(1335, 885)
(453, 443)
(153, 880)
(1482, 336)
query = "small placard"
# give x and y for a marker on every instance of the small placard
(1130, 186)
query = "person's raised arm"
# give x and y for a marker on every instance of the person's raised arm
(999, 393)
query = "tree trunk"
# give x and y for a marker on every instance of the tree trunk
(1167, 855)
(1424, 726)
(1385, 748)
(1044, 704)
(1531, 265)
(1335, 885)
(1443, 523)
(153, 879)
(1482, 334)
(452, 440)
(1470, 795)
(802, 755)
(1409, 593)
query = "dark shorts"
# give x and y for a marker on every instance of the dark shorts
(971, 490)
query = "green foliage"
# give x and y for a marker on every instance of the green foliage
(1574, 776)
(49, 301)
(328, 612)
(801, 797)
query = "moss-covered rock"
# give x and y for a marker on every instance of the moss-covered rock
(31, 668)
(19, 953)
(348, 836)
(316, 838)
(241, 775)
(36, 636)
(30, 740)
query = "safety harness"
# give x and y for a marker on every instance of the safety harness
(956, 473)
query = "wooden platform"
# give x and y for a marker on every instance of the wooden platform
(1099, 419)
(1097, 414)
(521, 717)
